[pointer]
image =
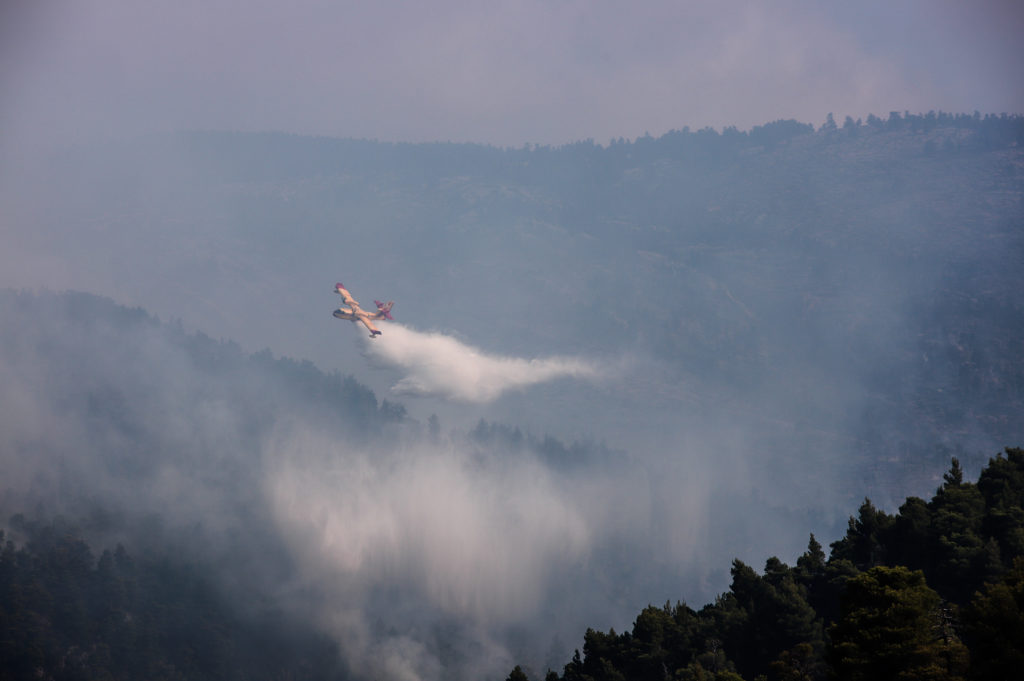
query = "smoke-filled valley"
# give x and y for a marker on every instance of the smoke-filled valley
(614, 368)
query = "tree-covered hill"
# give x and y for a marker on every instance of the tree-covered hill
(145, 434)
(102, 408)
(69, 614)
(847, 292)
(934, 591)
(110, 364)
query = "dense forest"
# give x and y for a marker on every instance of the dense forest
(934, 591)
(67, 614)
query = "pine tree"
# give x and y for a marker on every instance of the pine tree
(994, 624)
(888, 629)
(518, 675)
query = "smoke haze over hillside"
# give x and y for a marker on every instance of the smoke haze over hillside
(287, 484)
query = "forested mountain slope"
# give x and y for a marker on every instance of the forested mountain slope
(119, 430)
(848, 292)
(67, 613)
(933, 591)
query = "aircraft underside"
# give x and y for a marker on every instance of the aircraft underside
(350, 316)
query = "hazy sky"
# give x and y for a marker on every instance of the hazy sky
(538, 71)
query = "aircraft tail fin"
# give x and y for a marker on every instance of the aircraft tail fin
(385, 308)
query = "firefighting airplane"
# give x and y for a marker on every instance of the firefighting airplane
(354, 313)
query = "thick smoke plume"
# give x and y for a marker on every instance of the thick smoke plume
(438, 365)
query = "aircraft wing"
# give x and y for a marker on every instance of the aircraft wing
(374, 331)
(347, 297)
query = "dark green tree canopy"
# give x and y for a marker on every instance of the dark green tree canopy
(887, 630)
(932, 592)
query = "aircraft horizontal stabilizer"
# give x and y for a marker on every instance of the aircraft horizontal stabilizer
(385, 308)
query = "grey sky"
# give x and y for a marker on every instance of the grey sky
(538, 71)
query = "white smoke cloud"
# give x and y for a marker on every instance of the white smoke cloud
(477, 538)
(437, 532)
(441, 366)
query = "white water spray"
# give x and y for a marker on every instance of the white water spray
(441, 366)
